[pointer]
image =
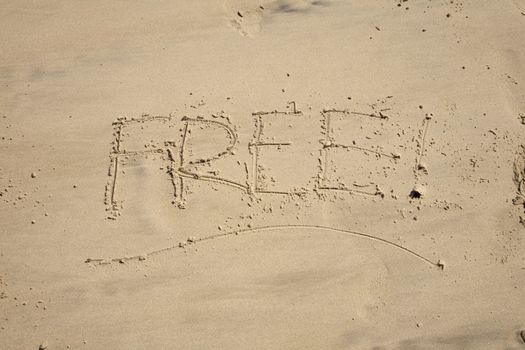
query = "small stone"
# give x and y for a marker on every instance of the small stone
(422, 167)
(522, 335)
(43, 346)
(417, 192)
(33, 175)
(33, 222)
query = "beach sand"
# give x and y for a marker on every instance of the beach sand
(284, 174)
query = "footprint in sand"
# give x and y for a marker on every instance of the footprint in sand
(244, 16)
(520, 5)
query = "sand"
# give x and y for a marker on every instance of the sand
(283, 174)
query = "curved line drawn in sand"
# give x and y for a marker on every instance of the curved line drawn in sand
(191, 241)
(329, 143)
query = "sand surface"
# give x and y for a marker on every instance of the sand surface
(284, 174)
